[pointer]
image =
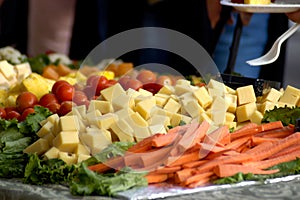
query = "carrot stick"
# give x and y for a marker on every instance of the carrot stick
(143, 145)
(256, 140)
(165, 139)
(237, 143)
(205, 149)
(156, 178)
(167, 170)
(286, 151)
(181, 175)
(217, 136)
(225, 170)
(194, 164)
(278, 133)
(247, 132)
(271, 125)
(201, 182)
(275, 161)
(197, 178)
(155, 158)
(182, 159)
(115, 163)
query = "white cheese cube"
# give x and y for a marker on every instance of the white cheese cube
(256, 117)
(123, 101)
(123, 131)
(23, 70)
(157, 128)
(105, 121)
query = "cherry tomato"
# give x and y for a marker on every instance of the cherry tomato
(89, 91)
(80, 98)
(123, 80)
(53, 107)
(47, 99)
(11, 108)
(65, 92)
(13, 114)
(164, 80)
(65, 108)
(57, 84)
(152, 87)
(2, 113)
(133, 84)
(25, 113)
(146, 76)
(92, 79)
(26, 100)
(110, 83)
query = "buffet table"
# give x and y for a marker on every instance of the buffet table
(284, 188)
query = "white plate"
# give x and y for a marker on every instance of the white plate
(270, 8)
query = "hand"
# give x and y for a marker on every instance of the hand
(214, 9)
(294, 16)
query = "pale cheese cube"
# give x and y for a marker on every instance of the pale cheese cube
(166, 89)
(157, 128)
(51, 153)
(144, 107)
(176, 118)
(145, 92)
(256, 117)
(218, 117)
(49, 137)
(203, 97)
(217, 85)
(123, 113)
(103, 106)
(95, 141)
(92, 117)
(123, 131)
(7, 70)
(132, 93)
(289, 98)
(140, 132)
(45, 129)
(159, 119)
(267, 106)
(39, 147)
(244, 112)
(137, 119)
(273, 95)
(172, 105)
(66, 141)
(230, 117)
(112, 92)
(160, 101)
(56, 127)
(82, 157)
(213, 92)
(105, 121)
(230, 90)
(246, 95)
(231, 125)
(81, 150)
(81, 110)
(205, 117)
(161, 111)
(68, 158)
(69, 123)
(123, 101)
(182, 89)
(183, 82)
(23, 70)
(52, 118)
(4, 82)
(232, 102)
(193, 108)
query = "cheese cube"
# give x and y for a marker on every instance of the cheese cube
(45, 129)
(205, 117)
(273, 95)
(259, 2)
(51, 153)
(145, 92)
(183, 82)
(123, 101)
(66, 141)
(289, 98)
(96, 141)
(81, 150)
(166, 89)
(157, 128)
(182, 89)
(229, 90)
(112, 92)
(203, 97)
(172, 105)
(69, 123)
(92, 116)
(230, 117)
(159, 119)
(245, 95)
(123, 113)
(82, 157)
(4, 82)
(267, 106)
(133, 93)
(193, 108)
(123, 131)
(39, 147)
(145, 107)
(68, 158)
(103, 106)
(52, 118)
(140, 132)
(137, 119)
(244, 112)
(176, 118)
(49, 137)
(213, 92)
(231, 125)
(7, 70)
(161, 111)
(105, 121)
(217, 85)
(232, 102)
(23, 70)
(160, 101)
(256, 117)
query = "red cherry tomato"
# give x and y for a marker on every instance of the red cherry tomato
(110, 83)
(2, 113)
(25, 113)
(80, 98)
(57, 84)
(13, 115)
(152, 87)
(65, 92)
(26, 100)
(164, 80)
(47, 99)
(65, 108)
(133, 84)
(53, 107)
(123, 80)
(11, 108)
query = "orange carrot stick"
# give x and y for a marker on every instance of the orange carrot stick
(182, 159)
(167, 170)
(194, 164)
(156, 178)
(237, 143)
(225, 170)
(201, 182)
(114, 163)
(181, 175)
(197, 178)
(271, 125)
(217, 136)
(143, 145)
(256, 140)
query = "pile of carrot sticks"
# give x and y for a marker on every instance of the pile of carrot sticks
(189, 156)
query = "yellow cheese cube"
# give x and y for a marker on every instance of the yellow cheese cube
(45, 129)
(159, 119)
(145, 92)
(66, 141)
(105, 121)
(82, 157)
(232, 102)
(68, 158)
(289, 98)
(102, 106)
(273, 95)
(49, 137)
(112, 92)
(69, 123)
(51, 153)
(172, 105)
(176, 118)
(7, 70)
(205, 117)
(267, 106)
(244, 112)
(123, 113)
(123, 101)
(157, 128)
(230, 117)
(96, 141)
(123, 131)
(40, 146)
(193, 108)
(81, 150)
(245, 95)
(145, 107)
(231, 125)
(203, 97)
(52, 118)
(256, 117)
(160, 101)
(137, 119)
(229, 90)
(167, 89)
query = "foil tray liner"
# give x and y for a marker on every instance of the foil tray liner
(279, 188)
(164, 191)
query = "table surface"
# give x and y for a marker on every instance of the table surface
(287, 189)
